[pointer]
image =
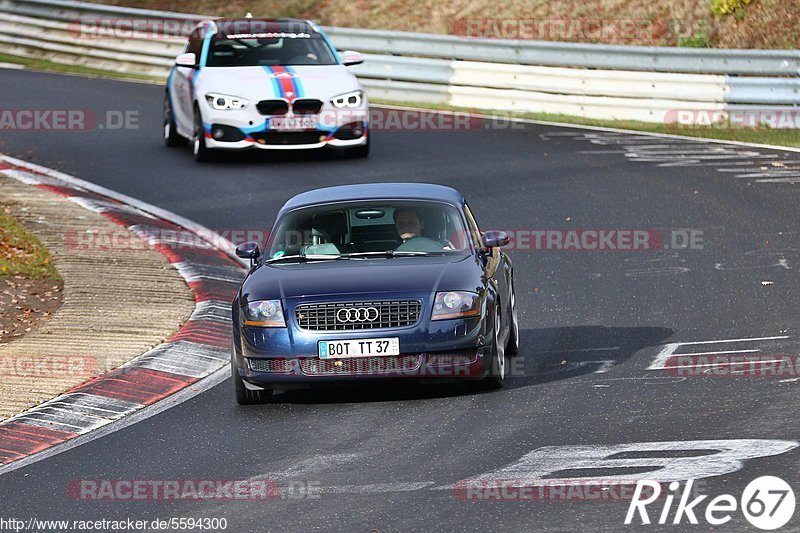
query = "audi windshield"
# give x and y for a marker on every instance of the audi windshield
(371, 229)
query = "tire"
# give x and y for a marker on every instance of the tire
(245, 396)
(171, 136)
(512, 346)
(359, 152)
(497, 371)
(202, 154)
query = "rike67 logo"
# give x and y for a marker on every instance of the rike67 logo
(768, 503)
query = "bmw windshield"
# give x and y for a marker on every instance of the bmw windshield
(269, 49)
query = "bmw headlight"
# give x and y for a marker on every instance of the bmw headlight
(265, 314)
(222, 102)
(455, 304)
(352, 99)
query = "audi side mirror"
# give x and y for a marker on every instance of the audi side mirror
(248, 250)
(495, 239)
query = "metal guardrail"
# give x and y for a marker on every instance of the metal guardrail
(623, 82)
(546, 53)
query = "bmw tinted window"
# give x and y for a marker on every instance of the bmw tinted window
(244, 50)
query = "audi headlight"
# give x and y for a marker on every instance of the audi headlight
(455, 304)
(222, 102)
(352, 99)
(265, 314)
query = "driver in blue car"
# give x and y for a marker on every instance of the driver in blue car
(409, 226)
(408, 222)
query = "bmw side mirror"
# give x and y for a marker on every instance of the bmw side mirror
(186, 60)
(495, 239)
(249, 250)
(350, 58)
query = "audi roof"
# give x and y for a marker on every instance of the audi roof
(375, 191)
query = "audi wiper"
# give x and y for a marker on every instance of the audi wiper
(304, 257)
(387, 253)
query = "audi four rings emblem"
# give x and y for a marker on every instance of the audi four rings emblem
(357, 314)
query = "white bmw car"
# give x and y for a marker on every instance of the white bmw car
(262, 83)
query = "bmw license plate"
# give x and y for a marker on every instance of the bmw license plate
(359, 348)
(293, 123)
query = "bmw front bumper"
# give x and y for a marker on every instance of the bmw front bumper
(247, 129)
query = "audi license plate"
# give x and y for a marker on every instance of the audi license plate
(293, 123)
(359, 348)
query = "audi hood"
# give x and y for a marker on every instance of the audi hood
(363, 276)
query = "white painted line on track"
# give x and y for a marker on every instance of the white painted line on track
(661, 460)
(310, 466)
(725, 364)
(659, 363)
(721, 352)
(570, 350)
(376, 488)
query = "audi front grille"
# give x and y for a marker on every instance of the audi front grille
(350, 316)
(273, 366)
(360, 365)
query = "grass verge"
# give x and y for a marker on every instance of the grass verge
(21, 253)
(59, 68)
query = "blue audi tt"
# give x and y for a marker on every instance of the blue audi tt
(378, 281)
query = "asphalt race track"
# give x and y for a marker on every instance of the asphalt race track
(384, 458)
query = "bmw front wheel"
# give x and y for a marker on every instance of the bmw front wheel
(202, 153)
(171, 136)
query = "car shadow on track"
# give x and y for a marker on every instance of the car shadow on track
(546, 355)
(259, 157)
(554, 354)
